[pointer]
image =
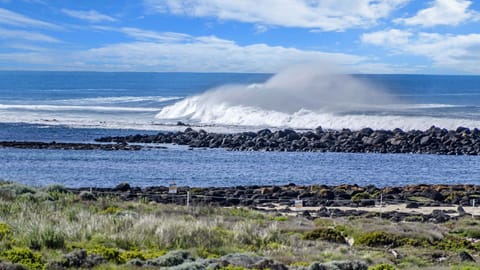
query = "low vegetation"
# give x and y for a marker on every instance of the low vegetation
(52, 228)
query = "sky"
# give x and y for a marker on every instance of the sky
(357, 36)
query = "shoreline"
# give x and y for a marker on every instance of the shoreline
(438, 203)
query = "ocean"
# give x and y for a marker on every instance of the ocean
(82, 106)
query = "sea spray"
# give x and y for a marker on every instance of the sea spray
(297, 97)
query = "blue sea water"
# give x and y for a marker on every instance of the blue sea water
(82, 106)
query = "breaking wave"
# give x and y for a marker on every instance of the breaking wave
(307, 97)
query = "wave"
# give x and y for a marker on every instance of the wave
(121, 99)
(305, 98)
(41, 107)
(305, 119)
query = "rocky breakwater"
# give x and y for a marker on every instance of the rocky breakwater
(462, 141)
(68, 146)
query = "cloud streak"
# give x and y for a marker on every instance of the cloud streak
(326, 15)
(7, 34)
(11, 18)
(92, 16)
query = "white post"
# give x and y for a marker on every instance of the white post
(188, 198)
(473, 202)
(381, 204)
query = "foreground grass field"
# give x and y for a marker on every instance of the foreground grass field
(51, 228)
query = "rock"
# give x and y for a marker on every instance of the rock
(412, 205)
(87, 196)
(432, 141)
(240, 259)
(439, 216)
(122, 187)
(173, 258)
(80, 259)
(466, 257)
(426, 140)
(339, 265)
(268, 264)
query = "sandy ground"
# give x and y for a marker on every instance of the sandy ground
(396, 207)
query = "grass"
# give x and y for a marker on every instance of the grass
(39, 226)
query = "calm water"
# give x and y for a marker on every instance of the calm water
(81, 106)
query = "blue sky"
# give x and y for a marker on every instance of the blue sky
(358, 36)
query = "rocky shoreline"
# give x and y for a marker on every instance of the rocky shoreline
(71, 146)
(462, 141)
(326, 199)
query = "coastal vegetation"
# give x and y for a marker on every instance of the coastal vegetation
(56, 228)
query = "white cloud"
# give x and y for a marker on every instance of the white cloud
(88, 15)
(168, 51)
(326, 15)
(442, 12)
(392, 36)
(141, 34)
(455, 52)
(25, 35)
(206, 54)
(8, 17)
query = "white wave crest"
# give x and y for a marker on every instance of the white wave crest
(122, 99)
(305, 98)
(41, 107)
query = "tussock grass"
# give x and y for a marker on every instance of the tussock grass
(38, 226)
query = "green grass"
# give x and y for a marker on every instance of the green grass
(40, 226)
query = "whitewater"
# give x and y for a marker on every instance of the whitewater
(305, 97)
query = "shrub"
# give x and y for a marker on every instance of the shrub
(325, 234)
(142, 255)
(24, 256)
(377, 239)
(57, 192)
(454, 243)
(5, 231)
(53, 239)
(360, 196)
(382, 266)
(109, 254)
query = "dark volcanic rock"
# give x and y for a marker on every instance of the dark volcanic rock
(461, 141)
(69, 146)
